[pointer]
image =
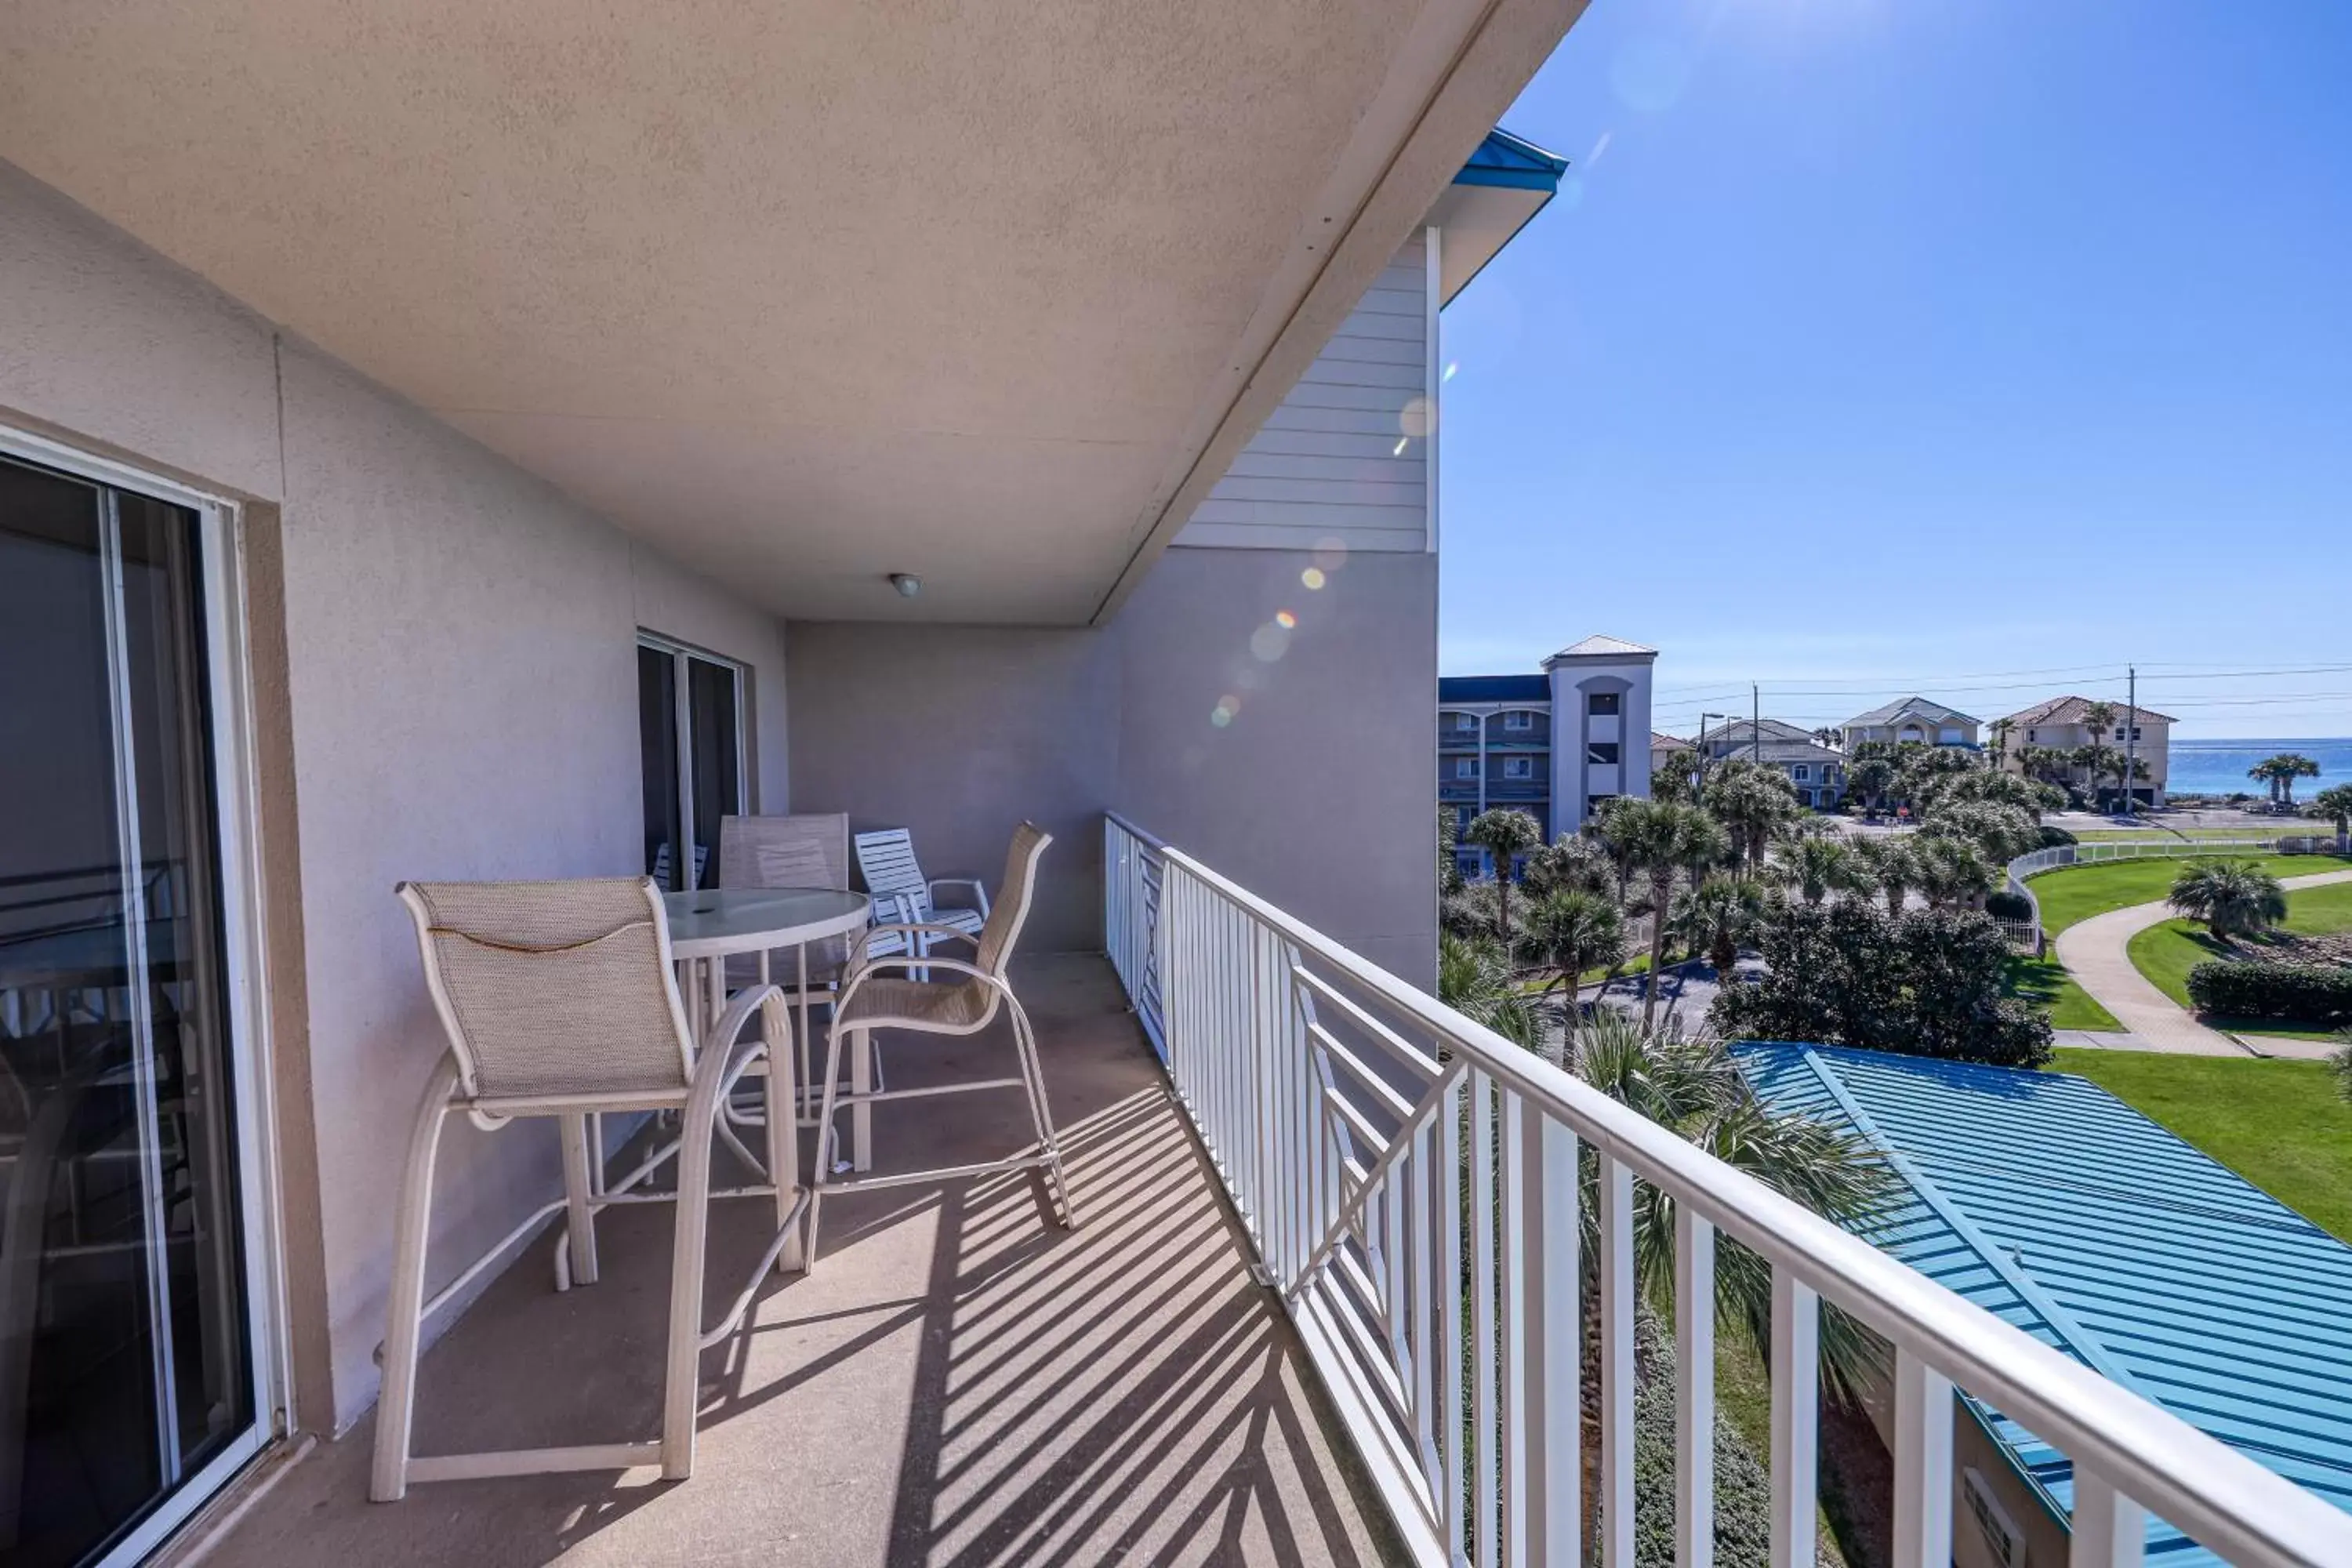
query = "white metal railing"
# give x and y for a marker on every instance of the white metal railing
(2097, 852)
(1131, 881)
(1410, 1183)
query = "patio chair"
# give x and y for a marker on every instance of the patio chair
(560, 999)
(904, 898)
(810, 850)
(874, 998)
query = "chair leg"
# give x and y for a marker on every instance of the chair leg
(861, 1110)
(396, 1402)
(579, 1214)
(1032, 1072)
(784, 1131)
(682, 1365)
(824, 1140)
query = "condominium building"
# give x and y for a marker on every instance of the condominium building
(1555, 745)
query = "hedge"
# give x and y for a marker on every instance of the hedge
(2262, 988)
(2007, 906)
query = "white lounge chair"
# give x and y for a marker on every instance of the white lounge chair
(903, 897)
(875, 998)
(560, 1000)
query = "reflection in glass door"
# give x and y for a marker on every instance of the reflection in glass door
(126, 1346)
(691, 740)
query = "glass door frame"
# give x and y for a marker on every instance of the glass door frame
(229, 695)
(682, 655)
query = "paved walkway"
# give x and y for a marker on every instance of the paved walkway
(2094, 952)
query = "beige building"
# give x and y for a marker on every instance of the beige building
(1912, 719)
(2063, 724)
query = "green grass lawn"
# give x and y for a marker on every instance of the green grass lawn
(2294, 826)
(2075, 893)
(2045, 983)
(2278, 1123)
(2165, 953)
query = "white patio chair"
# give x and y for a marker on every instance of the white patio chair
(873, 999)
(560, 999)
(904, 898)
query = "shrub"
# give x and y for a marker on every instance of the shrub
(2264, 988)
(1926, 983)
(1743, 1491)
(2056, 837)
(2009, 907)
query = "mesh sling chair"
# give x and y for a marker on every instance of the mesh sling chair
(872, 999)
(560, 999)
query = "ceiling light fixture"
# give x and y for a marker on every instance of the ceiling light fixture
(906, 583)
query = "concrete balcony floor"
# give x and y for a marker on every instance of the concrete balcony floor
(959, 1381)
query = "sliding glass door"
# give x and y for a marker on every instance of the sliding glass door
(128, 1365)
(690, 742)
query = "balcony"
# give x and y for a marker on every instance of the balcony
(1331, 1304)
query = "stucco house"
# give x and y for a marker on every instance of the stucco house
(1816, 771)
(2062, 723)
(1917, 718)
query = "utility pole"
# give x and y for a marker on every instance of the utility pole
(1703, 717)
(2131, 738)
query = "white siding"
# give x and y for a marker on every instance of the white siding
(1326, 463)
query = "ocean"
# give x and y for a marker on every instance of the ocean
(2219, 767)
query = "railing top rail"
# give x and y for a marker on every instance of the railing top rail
(2228, 1503)
(1149, 841)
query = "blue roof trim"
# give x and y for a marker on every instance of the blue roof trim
(2050, 1203)
(1494, 689)
(1502, 158)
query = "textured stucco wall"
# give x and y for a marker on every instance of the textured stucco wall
(1315, 793)
(460, 677)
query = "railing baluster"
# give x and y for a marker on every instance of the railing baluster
(1694, 1390)
(1616, 1198)
(1517, 1147)
(1796, 1401)
(1485, 1519)
(2110, 1529)
(1555, 1234)
(1449, 1290)
(1425, 1277)
(1923, 1465)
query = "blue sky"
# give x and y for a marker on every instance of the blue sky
(1968, 346)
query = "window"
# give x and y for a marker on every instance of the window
(1465, 721)
(1949, 736)
(1465, 767)
(1518, 767)
(1521, 720)
(1601, 754)
(1604, 704)
(1802, 772)
(691, 747)
(2033, 737)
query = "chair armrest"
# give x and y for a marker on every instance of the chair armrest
(979, 892)
(919, 961)
(857, 958)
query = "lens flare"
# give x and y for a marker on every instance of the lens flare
(1284, 619)
(1330, 552)
(1417, 417)
(1313, 579)
(1223, 713)
(1451, 367)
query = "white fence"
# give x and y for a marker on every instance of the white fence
(1410, 1182)
(2096, 852)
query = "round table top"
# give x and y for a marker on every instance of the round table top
(711, 923)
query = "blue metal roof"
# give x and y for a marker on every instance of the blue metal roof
(1494, 689)
(2052, 1205)
(1504, 159)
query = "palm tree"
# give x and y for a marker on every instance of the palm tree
(1474, 978)
(1952, 871)
(1602, 829)
(2232, 898)
(1817, 866)
(2334, 802)
(1709, 846)
(1506, 835)
(2001, 728)
(1677, 775)
(1660, 837)
(1715, 917)
(1572, 862)
(1572, 932)
(1754, 802)
(1449, 833)
(1871, 778)
(1892, 867)
(1691, 1086)
(2279, 773)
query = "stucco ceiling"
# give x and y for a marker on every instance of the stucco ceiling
(804, 292)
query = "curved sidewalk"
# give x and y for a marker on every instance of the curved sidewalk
(2094, 952)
